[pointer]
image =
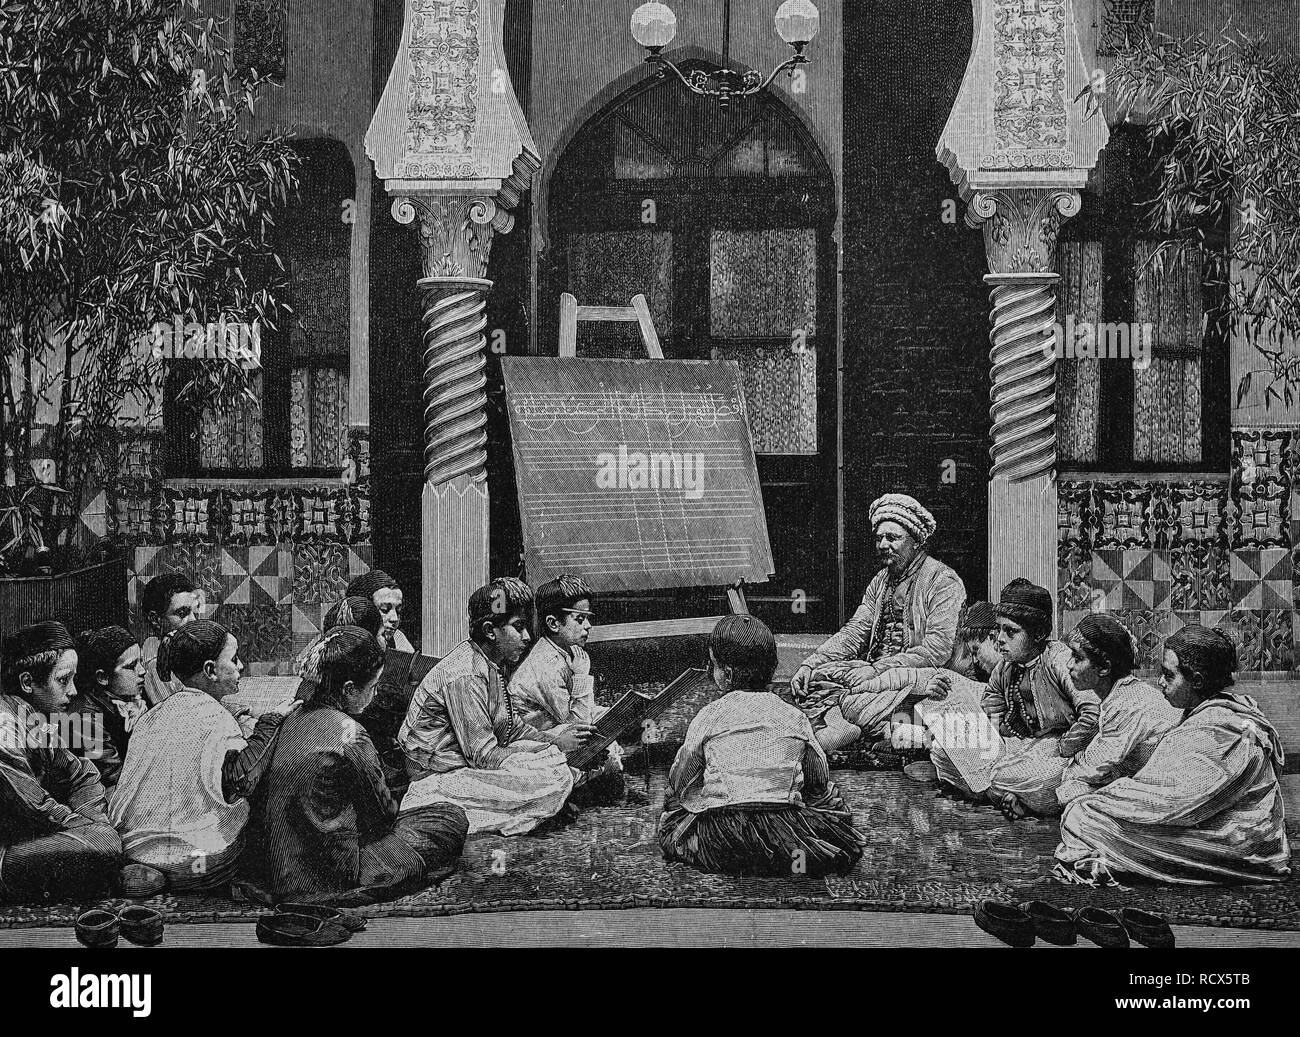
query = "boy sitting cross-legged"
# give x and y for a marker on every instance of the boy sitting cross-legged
(553, 687)
(463, 737)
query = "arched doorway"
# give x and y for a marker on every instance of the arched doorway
(724, 219)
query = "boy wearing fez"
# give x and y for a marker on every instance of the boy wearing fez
(554, 688)
(56, 840)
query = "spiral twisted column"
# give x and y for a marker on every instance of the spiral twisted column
(1021, 227)
(456, 241)
(1023, 395)
(455, 379)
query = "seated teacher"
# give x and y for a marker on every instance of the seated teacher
(909, 613)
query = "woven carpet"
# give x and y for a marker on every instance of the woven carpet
(923, 854)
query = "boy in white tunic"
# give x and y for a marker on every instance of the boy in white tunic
(553, 687)
(181, 800)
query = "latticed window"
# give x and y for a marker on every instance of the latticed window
(1123, 22)
(718, 217)
(261, 38)
(298, 421)
(1140, 386)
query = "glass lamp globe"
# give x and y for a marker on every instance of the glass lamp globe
(654, 25)
(797, 22)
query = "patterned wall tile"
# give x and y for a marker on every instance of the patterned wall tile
(234, 571)
(1260, 519)
(1137, 578)
(1259, 511)
(1201, 576)
(1074, 513)
(136, 515)
(192, 516)
(1123, 516)
(1196, 512)
(358, 521)
(1261, 456)
(1073, 577)
(1265, 639)
(306, 623)
(271, 576)
(321, 515)
(1150, 628)
(263, 631)
(320, 573)
(256, 516)
(1261, 579)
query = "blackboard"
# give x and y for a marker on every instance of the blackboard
(635, 474)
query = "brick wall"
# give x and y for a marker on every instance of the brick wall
(916, 373)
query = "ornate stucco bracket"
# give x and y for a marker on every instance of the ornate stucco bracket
(1019, 148)
(450, 142)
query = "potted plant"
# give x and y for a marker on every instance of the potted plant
(133, 200)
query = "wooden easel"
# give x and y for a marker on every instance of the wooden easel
(637, 313)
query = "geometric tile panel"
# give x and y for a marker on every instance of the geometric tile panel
(1131, 579)
(1261, 579)
(268, 559)
(270, 573)
(1224, 553)
(135, 517)
(322, 516)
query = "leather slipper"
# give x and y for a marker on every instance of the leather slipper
(300, 931)
(1007, 922)
(97, 928)
(922, 771)
(353, 921)
(1101, 927)
(142, 926)
(1150, 930)
(140, 882)
(1053, 924)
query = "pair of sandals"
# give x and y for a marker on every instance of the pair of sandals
(1022, 926)
(309, 925)
(101, 926)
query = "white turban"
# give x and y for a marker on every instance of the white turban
(907, 512)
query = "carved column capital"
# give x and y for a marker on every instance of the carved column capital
(455, 231)
(1021, 226)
